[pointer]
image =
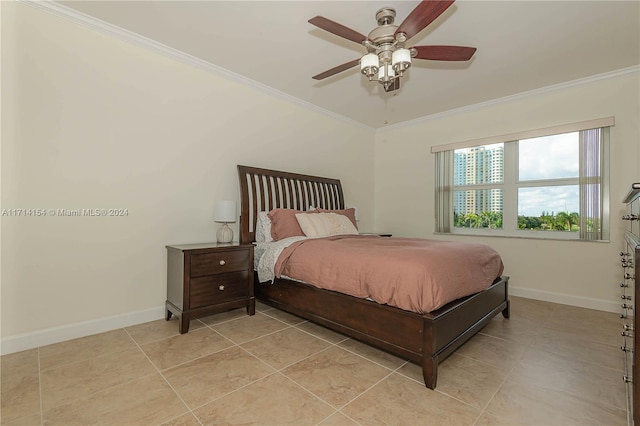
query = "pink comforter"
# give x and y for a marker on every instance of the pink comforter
(414, 274)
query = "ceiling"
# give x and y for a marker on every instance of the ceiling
(522, 46)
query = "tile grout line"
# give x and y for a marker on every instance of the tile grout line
(515, 364)
(165, 379)
(482, 411)
(335, 410)
(280, 370)
(233, 344)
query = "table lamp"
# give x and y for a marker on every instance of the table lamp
(225, 212)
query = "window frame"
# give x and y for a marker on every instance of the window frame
(511, 184)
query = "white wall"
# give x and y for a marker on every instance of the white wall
(90, 121)
(580, 273)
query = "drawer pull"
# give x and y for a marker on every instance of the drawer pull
(222, 263)
(626, 306)
(627, 379)
(624, 297)
(626, 334)
(626, 349)
(623, 285)
(627, 327)
(630, 217)
(628, 276)
(220, 287)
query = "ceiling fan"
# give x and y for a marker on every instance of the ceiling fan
(387, 58)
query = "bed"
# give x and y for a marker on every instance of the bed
(423, 338)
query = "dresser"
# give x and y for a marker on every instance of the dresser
(630, 262)
(204, 279)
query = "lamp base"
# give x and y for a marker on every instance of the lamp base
(224, 234)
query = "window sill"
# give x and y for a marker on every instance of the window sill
(521, 237)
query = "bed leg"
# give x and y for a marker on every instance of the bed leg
(506, 312)
(251, 307)
(430, 372)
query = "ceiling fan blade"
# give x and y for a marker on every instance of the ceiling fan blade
(336, 70)
(338, 29)
(444, 53)
(394, 86)
(424, 14)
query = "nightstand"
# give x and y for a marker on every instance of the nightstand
(203, 279)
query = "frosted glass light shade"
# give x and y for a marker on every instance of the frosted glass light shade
(225, 211)
(401, 56)
(389, 75)
(369, 64)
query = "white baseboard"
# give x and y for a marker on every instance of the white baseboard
(49, 336)
(566, 299)
(22, 342)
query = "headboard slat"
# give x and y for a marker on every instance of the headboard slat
(264, 190)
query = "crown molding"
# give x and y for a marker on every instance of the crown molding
(152, 45)
(95, 24)
(512, 98)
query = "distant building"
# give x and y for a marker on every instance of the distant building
(478, 165)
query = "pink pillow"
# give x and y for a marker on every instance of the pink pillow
(350, 213)
(284, 224)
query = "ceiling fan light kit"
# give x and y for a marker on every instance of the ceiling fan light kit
(387, 58)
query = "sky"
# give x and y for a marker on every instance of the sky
(559, 159)
(549, 157)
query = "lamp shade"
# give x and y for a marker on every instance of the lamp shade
(369, 64)
(369, 60)
(401, 56)
(386, 73)
(225, 211)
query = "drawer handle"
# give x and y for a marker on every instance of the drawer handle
(627, 379)
(222, 263)
(220, 287)
(626, 349)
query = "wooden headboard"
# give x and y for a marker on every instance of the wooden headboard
(263, 190)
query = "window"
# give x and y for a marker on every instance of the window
(549, 183)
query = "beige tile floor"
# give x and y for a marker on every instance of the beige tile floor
(548, 365)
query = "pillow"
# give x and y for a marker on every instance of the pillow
(350, 213)
(284, 224)
(263, 228)
(325, 224)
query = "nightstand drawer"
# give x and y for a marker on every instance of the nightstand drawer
(212, 289)
(218, 263)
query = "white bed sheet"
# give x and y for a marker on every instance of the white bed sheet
(265, 256)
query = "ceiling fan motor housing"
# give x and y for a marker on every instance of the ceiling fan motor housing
(385, 32)
(386, 16)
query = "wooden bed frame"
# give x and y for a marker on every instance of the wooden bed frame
(424, 339)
